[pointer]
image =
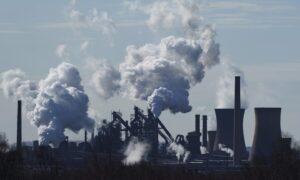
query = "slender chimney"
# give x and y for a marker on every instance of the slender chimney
(19, 127)
(237, 121)
(197, 123)
(85, 136)
(204, 130)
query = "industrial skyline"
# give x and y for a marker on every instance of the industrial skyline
(272, 76)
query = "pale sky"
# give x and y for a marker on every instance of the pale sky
(260, 37)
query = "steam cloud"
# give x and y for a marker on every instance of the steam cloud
(163, 73)
(228, 151)
(179, 150)
(225, 94)
(56, 103)
(135, 152)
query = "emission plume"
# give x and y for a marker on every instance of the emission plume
(225, 93)
(56, 103)
(136, 152)
(181, 153)
(163, 73)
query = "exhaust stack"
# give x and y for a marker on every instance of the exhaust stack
(237, 124)
(204, 130)
(19, 127)
(267, 133)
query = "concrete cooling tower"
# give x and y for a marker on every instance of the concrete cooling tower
(225, 125)
(267, 133)
(211, 140)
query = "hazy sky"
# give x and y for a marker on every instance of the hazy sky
(260, 37)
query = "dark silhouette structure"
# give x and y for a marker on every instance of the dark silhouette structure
(19, 128)
(267, 133)
(193, 137)
(237, 124)
(224, 135)
(211, 140)
(204, 130)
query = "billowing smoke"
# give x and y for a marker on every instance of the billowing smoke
(227, 150)
(225, 94)
(56, 103)
(136, 151)
(162, 74)
(181, 153)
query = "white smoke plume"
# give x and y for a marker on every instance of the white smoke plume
(225, 94)
(227, 150)
(56, 103)
(106, 79)
(135, 152)
(61, 52)
(181, 153)
(163, 73)
(203, 150)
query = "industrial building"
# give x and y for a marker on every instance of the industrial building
(114, 135)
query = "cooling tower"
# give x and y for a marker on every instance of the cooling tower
(19, 127)
(211, 140)
(204, 130)
(267, 133)
(224, 135)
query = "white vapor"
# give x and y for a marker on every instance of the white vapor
(203, 150)
(93, 20)
(181, 153)
(162, 73)
(56, 103)
(84, 45)
(167, 13)
(227, 150)
(225, 93)
(61, 52)
(135, 152)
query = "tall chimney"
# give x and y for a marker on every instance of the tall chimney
(204, 130)
(197, 123)
(19, 127)
(85, 136)
(237, 126)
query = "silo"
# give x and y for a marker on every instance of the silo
(267, 133)
(224, 135)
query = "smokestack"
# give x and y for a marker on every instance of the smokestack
(224, 135)
(85, 136)
(211, 141)
(197, 123)
(238, 125)
(204, 130)
(267, 133)
(19, 127)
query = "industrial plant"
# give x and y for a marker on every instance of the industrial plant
(219, 150)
